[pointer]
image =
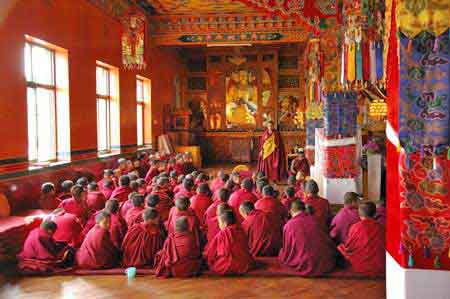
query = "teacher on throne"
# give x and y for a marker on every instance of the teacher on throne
(272, 160)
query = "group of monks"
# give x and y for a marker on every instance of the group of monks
(172, 218)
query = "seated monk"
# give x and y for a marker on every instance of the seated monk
(83, 182)
(179, 184)
(152, 172)
(364, 248)
(219, 181)
(108, 188)
(380, 216)
(229, 185)
(95, 200)
(212, 224)
(108, 175)
(201, 201)
(321, 206)
(182, 209)
(345, 218)
(260, 184)
(242, 195)
(173, 180)
(134, 186)
(222, 197)
(186, 190)
(163, 189)
(41, 253)
(65, 190)
(288, 197)
(228, 252)
(180, 256)
(143, 241)
(142, 186)
(179, 164)
(300, 164)
(307, 249)
(76, 205)
(134, 215)
(271, 206)
(163, 208)
(121, 193)
(125, 206)
(264, 238)
(122, 165)
(98, 251)
(69, 228)
(48, 199)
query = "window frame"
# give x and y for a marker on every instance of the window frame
(140, 102)
(107, 98)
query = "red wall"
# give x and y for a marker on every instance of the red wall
(89, 34)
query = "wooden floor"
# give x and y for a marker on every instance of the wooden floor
(149, 287)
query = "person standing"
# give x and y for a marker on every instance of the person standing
(272, 159)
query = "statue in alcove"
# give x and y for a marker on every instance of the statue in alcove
(241, 98)
(198, 108)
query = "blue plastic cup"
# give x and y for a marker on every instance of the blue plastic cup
(130, 272)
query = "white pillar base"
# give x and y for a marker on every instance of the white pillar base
(404, 283)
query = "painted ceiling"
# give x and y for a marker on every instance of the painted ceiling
(198, 6)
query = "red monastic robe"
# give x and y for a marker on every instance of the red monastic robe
(365, 247)
(274, 165)
(307, 249)
(79, 209)
(117, 229)
(322, 210)
(95, 200)
(140, 245)
(301, 165)
(183, 192)
(200, 203)
(97, 251)
(194, 223)
(124, 207)
(216, 184)
(49, 203)
(152, 172)
(340, 226)
(237, 198)
(164, 205)
(228, 252)
(273, 208)
(180, 256)
(211, 211)
(264, 238)
(212, 228)
(107, 192)
(286, 201)
(381, 215)
(69, 230)
(134, 216)
(121, 193)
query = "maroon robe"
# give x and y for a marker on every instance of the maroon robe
(95, 200)
(124, 207)
(264, 238)
(322, 210)
(307, 249)
(121, 193)
(340, 226)
(69, 230)
(274, 166)
(239, 197)
(140, 245)
(365, 247)
(152, 172)
(194, 223)
(200, 203)
(62, 196)
(97, 251)
(101, 183)
(79, 209)
(381, 215)
(273, 208)
(228, 252)
(117, 229)
(183, 192)
(164, 205)
(286, 201)
(134, 216)
(212, 228)
(180, 256)
(217, 184)
(49, 203)
(107, 191)
(301, 165)
(211, 211)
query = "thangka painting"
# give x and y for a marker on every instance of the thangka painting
(133, 41)
(241, 98)
(290, 112)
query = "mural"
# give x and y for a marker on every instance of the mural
(290, 112)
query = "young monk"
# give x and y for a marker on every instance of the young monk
(95, 200)
(69, 228)
(143, 241)
(321, 206)
(228, 252)
(48, 199)
(98, 251)
(381, 212)
(186, 190)
(201, 201)
(300, 163)
(108, 188)
(122, 165)
(134, 215)
(345, 218)
(219, 181)
(242, 195)
(152, 172)
(180, 256)
(271, 206)
(307, 249)
(288, 198)
(65, 190)
(125, 206)
(229, 185)
(264, 238)
(108, 175)
(121, 193)
(142, 186)
(212, 224)
(222, 197)
(76, 205)
(260, 184)
(83, 181)
(41, 253)
(365, 246)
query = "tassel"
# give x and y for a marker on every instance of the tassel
(436, 44)
(437, 262)
(410, 261)
(426, 252)
(409, 45)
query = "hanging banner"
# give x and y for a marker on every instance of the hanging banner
(133, 40)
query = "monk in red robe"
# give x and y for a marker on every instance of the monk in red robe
(212, 224)
(260, 184)
(201, 201)
(41, 253)
(321, 206)
(307, 249)
(242, 195)
(229, 185)
(98, 251)
(69, 228)
(272, 206)
(228, 252)
(272, 159)
(152, 172)
(95, 199)
(187, 189)
(125, 206)
(48, 199)
(108, 175)
(142, 186)
(143, 241)
(222, 197)
(180, 256)
(345, 218)
(65, 190)
(121, 193)
(134, 215)
(365, 246)
(76, 205)
(381, 212)
(300, 164)
(264, 237)
(219, 181)
(153, 201)
(288, 197)
(108, 188)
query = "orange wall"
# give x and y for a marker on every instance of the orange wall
(89, 34)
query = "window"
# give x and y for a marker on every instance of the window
(142, 99)
(46, 73)
(108, 121)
